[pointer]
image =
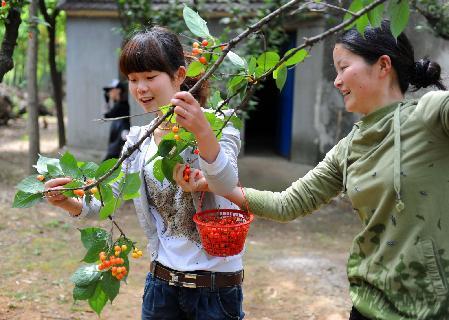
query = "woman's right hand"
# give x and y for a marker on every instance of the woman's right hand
(57, 199)
(196, 182)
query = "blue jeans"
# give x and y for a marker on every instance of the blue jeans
(162, 301)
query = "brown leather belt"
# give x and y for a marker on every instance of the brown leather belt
(196, 279)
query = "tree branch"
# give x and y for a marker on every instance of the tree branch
(9, 42)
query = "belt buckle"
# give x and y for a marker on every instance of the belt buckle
(174, 281)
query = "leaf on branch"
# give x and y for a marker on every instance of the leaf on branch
(84, 293)
(268, 60)
(98, 299)
(168, 165)
(236, 122)
(165, 147)
(110, 285)
(92, 236)
(296, 58)
(31, 185)
(93, 252)
(235, 83)
(26, 200)
(195, 23)
(104, 167)
(375, 15)
(72, 184)
(195, 68)
(399, 12)
(69, 166)
(109, 208)
(131, 183)
(54, 171)
(281, 77)
(89, 169)
(252, 64)
(236, 60)
(85, 275)
(157, 170)
(215, 100)
(362, 22)
(42, 163)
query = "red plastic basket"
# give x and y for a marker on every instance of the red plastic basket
(223, 231)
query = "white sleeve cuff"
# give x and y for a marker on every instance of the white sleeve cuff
(216, 166)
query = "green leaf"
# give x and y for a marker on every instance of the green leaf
(195, 68)
(72, 184)
(252, 65)
(296, 58)
(235, 83)
(195, 23)
(375, 15)
(236, 122)
(92, 254)
(106, 193)
(104, 167)
(84, 293)
(42, 163)
(281, 78)
(399, 12)
(85, 275)
(92, 236)
(157, 170)
(268, 60)
(26, 200)
(110, 285)
(98, 299)
(130, 196)
(69, 166)
(89, 169)
(236, 60)
(215, 100)
(31, 185)
(54, 171)
(132, 183)
(109, 208)
(165, 147)
(168, 165)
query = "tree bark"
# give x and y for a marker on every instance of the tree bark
(56, 77)
(33, 103)
(9, 42)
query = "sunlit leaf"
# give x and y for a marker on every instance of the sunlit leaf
(195, 23)
(31, 185)
(399, 12)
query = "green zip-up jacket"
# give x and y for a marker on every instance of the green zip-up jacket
(394, 166)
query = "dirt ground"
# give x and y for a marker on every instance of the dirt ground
(293, 270)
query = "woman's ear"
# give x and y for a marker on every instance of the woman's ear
(385, 66)
(180, 75)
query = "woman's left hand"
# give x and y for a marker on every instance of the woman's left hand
(196, 182)
(189, 114)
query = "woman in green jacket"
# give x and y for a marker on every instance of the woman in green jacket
(394, 166)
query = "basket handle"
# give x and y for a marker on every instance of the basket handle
(246, 202)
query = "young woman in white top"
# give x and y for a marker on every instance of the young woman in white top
(183, 282)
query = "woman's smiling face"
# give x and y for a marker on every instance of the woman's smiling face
(356, 80)
(154, 89)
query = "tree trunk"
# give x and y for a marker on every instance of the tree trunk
(9, 42)
(33, 103)
(56, 78)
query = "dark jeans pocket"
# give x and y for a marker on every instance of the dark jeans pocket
(230, 301)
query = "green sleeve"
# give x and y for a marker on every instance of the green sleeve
(305, 195)
(433, 107)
